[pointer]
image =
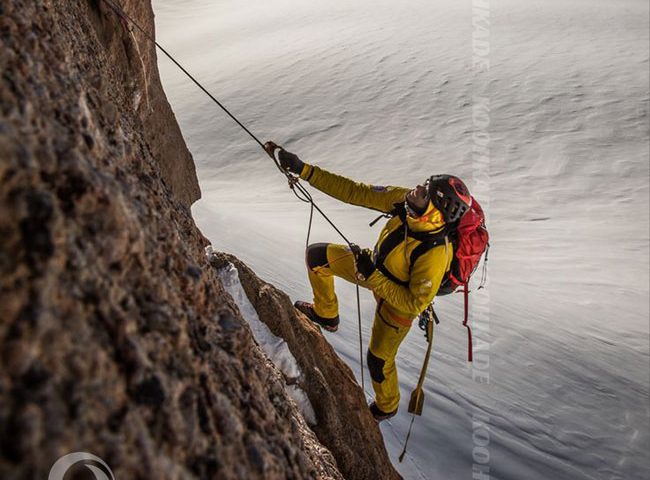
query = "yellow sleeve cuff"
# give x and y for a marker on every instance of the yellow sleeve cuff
(306, 172)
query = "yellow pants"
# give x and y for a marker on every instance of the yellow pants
(387, 334)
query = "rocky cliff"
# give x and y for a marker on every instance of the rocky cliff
(116, 335)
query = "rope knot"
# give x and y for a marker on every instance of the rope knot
(292, 180)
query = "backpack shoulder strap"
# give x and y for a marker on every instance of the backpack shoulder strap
(390, 242)
(427, 244)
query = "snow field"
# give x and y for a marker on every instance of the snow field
(384, 93)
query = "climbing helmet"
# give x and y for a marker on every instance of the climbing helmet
(449, 195)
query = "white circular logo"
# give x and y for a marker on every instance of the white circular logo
(66, 462)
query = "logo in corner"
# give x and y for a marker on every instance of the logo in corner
(96, 465)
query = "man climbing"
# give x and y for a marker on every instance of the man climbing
(404, 271)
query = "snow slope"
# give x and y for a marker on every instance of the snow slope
(384, 92)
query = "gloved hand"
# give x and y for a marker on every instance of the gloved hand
(363, 259)
(289, 161)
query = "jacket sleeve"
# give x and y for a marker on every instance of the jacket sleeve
(374, 197)
(426, 276)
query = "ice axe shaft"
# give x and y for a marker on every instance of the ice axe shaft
(417, 396)
(408, 435)
(416, 403)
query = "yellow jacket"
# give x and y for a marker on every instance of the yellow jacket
(429, 269)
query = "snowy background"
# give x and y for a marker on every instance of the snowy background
(383, 92)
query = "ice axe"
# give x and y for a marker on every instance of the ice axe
(416, 403)
(417, 396)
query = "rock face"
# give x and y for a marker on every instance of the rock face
(128, 48)
(116, 336)
(344, 424)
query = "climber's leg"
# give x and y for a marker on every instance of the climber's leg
(324, 262)
(387, 335)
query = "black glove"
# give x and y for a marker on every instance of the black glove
(364, 263)
(288, 161)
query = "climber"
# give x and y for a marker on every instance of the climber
(404, 271)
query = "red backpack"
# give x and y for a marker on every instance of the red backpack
(470, 239)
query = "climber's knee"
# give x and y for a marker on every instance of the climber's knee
(376, 367)
(317, 255)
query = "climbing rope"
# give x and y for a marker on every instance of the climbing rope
(299, 191)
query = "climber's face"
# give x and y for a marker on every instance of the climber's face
(418, 198)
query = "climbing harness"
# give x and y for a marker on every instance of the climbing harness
(298, 190)
(426, 323)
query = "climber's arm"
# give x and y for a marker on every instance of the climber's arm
(370, 196)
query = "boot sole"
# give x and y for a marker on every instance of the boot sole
(329, 328)
(385, 416)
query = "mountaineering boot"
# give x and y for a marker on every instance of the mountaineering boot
(329, 324)
(380, 415)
